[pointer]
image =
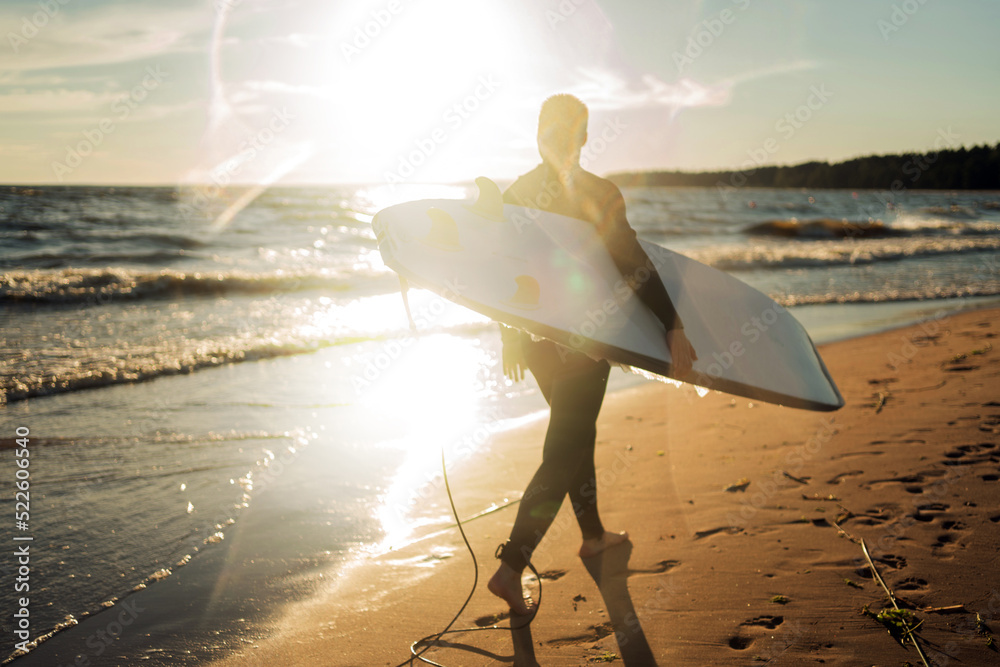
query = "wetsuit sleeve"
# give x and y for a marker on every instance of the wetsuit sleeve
(508, 334)
(623, 245)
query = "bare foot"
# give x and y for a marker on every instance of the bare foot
(597, 545)
(506, 585)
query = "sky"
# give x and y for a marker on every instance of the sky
(401, 91)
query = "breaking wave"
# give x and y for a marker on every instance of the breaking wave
(96, 286)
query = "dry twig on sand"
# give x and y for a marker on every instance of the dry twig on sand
(908, 631)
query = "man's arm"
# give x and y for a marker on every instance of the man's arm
(623, 245)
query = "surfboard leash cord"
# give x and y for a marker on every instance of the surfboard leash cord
(430, 639)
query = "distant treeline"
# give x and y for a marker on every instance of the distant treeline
(976, 168)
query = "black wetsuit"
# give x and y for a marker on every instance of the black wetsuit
(572, 383)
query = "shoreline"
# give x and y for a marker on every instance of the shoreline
(699, 599)
(427, 565)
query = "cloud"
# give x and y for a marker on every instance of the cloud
(284, 88)
(62, 100)
(606, 90)
(774, 70)
(297, 39)
(98, 36)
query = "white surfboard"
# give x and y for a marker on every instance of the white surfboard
(551, 275)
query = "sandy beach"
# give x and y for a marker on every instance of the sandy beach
(745, 520)
(251, 269)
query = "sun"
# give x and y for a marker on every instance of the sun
(414, 92)
(417, 92)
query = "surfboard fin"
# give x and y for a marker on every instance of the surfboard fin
(444, 231)
(489, 204)
(527, 295)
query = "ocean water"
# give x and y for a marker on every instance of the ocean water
(126, 313)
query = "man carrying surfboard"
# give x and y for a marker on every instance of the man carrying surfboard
(572, 383)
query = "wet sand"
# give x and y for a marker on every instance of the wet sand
(745, 521)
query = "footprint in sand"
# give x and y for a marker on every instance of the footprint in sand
(888, 560)
(839, 479)
(944, 540)
(873, 517)
(970, 454)
(769, 622)
(961, 368)
(950, 538)
(592, 634)
(893, 561)
(912, 584)
(712, 531)
(854, 455)
(927, 512)
(908, 441)
(911, 480)
(740, 642)
(990, 425)
(659, 568)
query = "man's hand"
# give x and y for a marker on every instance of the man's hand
(682, 353)
(514, 363)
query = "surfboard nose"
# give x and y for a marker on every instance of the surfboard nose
(444, 231)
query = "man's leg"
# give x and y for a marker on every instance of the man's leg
(567, 464)
(583, 496)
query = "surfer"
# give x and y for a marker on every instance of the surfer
(572, 383)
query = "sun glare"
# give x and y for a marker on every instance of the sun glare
(430, 73)
(429, 393)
